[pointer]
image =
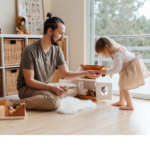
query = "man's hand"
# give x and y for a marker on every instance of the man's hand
(58, 90)
(93, 73)
(103, 71)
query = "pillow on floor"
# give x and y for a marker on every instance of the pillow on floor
(72, 105)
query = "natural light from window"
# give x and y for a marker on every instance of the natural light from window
(128, 23)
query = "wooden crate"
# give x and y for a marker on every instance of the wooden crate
(11, 75)
(62, 45)
(32, 40)
(12, 51)
(56, 76)
(1, 87)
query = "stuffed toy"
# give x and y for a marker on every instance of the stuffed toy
(20, 27)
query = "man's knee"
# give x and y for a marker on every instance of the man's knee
(53, 103)
(56, 103)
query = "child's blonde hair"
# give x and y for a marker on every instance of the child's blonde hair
(104, 43)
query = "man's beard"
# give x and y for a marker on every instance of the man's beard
(54, 42)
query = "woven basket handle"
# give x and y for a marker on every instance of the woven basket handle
(13, 71)
(12, 41)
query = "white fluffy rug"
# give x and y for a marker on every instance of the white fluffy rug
(72, 105)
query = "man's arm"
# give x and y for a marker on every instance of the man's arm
(64, 71)
(31, 82)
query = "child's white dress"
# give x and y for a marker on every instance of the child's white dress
(131, 69)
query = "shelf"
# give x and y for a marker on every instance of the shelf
(11, 66)
(23, 36)
(20, 36)
(5, 67)
(15, 96)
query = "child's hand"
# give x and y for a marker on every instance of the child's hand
(103, 71)
(93, 73)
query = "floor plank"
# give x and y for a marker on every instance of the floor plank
(102, 120)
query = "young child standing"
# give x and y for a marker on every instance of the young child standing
(130, 67)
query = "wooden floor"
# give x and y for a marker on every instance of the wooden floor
(102, 120)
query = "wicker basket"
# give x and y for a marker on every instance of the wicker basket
(11, 76)
(62, 45)
(1, 87)
(12, 51)
(56, 76)
(32, 40)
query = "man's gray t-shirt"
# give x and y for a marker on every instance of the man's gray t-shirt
(34, 58)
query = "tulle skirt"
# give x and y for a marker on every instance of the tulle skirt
(133, 74)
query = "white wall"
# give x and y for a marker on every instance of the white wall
(8, 15)
(74, 14)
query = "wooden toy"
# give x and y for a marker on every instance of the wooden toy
(2, 111)
(91, 67)
(4, 103)
(10, 113)
(98, 89)
(66, 89)
(104, 87)
(20, 111)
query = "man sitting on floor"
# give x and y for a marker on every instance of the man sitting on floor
(38, 62)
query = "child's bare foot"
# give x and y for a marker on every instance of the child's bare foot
(118, 104)
(127, 108)
(11, 103)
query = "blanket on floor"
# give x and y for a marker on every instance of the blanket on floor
(72, 105)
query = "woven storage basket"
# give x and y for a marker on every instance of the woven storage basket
(62, 45)
(56, 76)
(1, 89)
(31, 40)
(12, 51)
(11, 76)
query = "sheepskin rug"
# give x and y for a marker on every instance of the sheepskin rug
(71, 105)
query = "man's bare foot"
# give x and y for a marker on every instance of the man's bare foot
(118, 104)
(11, 103)
(127, 108)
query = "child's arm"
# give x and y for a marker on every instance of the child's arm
(103, 71)
(118, 62)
